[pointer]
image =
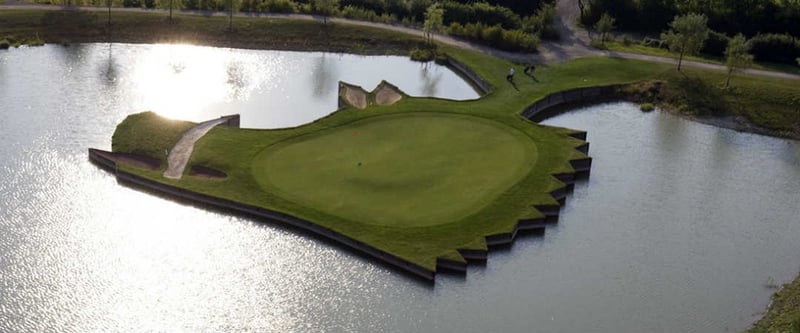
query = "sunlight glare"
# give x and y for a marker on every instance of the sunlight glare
(178, 81)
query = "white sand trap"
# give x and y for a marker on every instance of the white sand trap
(387, 95)
(355, 96)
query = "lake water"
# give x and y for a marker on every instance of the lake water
(679, 228)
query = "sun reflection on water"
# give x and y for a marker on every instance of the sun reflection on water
(177, 80)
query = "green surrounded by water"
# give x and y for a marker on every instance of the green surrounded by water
(313, 172)
(420, 179)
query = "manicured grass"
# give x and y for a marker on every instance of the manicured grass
(417, 169)
(784, 313)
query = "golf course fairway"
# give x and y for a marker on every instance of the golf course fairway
(417, 169)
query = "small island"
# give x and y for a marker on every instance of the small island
(423, 184)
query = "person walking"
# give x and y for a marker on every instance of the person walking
(510, 76)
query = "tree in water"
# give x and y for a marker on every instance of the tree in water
(604, 25)
(326, 8)
(434, 21)
(737, 56)
(687, 35)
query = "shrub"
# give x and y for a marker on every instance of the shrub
(716, 44)
(4, 44)
(543, 23)
(598, 44)
(496, 36)
(376, 6)
(646, 107)
(36, 41)
(421, 55)
(277, 6)
(398, 8)
(357, 13)
(626, 40)
(781, 48)
(480, 12)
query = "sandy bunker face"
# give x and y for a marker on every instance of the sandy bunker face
(386, 95)
(399, 170)
(356, 97)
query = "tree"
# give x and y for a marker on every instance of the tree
(798, 60)
(434, 21)
(737, 56)
(686, 35)
(326, 8)
(604, 25)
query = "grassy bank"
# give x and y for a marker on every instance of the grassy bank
(755, 104)
(783, 315)
(636, 47)
(64, 27)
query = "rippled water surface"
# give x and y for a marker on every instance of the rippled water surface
(678, 229)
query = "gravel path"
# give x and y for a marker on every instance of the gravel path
(179, 155)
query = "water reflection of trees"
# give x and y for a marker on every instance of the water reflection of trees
(74, 56)
(237, 79)
(430, 79)
(323, 77)
(109, 71)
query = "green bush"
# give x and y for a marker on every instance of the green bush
(781, 48)
(4, 44)
(598, 44)
(277, 6)
(480, 12)
(647, 107)
(376, 6)
(496, 36)
(626, 40)
(358, 13)
(716, 44)
(421, 55)
(542, 23)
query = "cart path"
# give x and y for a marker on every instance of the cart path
(180, 154)
(574, 42)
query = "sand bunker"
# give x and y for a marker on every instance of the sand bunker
(387, 94)
(384, 94)
(355, 96)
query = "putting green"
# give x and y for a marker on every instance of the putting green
(409, 170)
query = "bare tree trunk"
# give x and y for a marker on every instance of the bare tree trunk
(680, 60)
(728, 81)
